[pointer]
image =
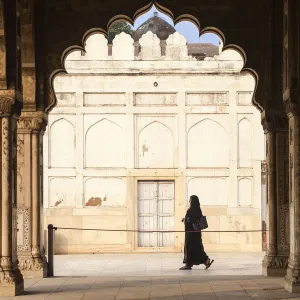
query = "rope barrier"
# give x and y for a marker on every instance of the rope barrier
(159, 231)
(52, 229)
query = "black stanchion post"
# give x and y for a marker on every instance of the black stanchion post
(51, 231)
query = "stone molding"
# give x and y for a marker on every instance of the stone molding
(31, 263)
(6, 105)
(292, 108)
(32, 122)
(9, 274)
(5, 262)
(293, 276)
(7, 279)
(274, 123)
(10, 102)
(276, 262)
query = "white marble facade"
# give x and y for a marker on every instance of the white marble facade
(122, 119)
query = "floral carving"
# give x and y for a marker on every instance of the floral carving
(31, 263)
(6, 274)
(20, 146)
(6, 105)
(31, 123)
(20, 162)
(5, 261)
(284, 228)
(5, 137)
(6, 279)
(26, 229)
(276, 262)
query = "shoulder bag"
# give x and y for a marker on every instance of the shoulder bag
(201, 224)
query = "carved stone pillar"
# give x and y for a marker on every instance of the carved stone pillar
(291, 97)
(11, 280)
(32, 260)
(276, 260)
(292, 278)
(264, 204)
(282, 191)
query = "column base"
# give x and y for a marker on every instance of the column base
(275, 266)
(33, 268)
(292, 280)
(12, 285)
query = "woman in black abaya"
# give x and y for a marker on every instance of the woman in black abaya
(194, 253)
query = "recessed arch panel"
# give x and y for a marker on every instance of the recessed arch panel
(208, 145)
(62, 144)
(104, 145)
(155, 146)
(245, 192)
(244, 143)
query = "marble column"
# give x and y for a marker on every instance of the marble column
(11, 280)
(292, 278)
(31, 254)
(276, 259)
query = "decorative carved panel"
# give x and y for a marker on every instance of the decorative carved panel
(207, 98)
(23, 229)
(155, 99)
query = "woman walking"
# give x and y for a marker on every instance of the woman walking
(194, 253)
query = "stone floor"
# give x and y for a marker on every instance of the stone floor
(155, 276)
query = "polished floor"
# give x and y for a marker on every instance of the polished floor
(155, 276)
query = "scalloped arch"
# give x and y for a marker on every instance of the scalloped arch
(119, 18)
(188, 18)
(256, 80)
(237, 49)
(139, 12)
(214, 30)
(91, 32)
(158, 6)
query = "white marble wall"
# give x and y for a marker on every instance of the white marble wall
(122, 118)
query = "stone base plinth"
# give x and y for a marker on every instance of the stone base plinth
(275, 266)
(292, 280)
(35, 274)
(33, 268)
(291, 287)
(13, 288)
(273, 272)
